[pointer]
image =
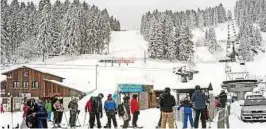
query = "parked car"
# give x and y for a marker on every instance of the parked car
(253, 110)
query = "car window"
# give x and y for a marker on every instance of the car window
(255, 102)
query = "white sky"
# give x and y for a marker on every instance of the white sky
(129, 12)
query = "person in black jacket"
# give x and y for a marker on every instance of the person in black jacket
(167, 102)
(96, 110)
(223, 99)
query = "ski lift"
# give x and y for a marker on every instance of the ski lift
(184, 78)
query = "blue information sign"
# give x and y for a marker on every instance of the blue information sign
(130, 88)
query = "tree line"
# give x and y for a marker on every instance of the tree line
(169, 33)
(66, 28)
(248, 13)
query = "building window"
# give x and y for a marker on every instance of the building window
(35, 84)
(16, 84)
(25, 84)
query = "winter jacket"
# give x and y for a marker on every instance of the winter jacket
(88, 106)
(134, 105)
(199, 99)
(127, 112)
(109, 105)
(53, 102)
(48, 107)
(25, 110)
(217, 103)
(41, 112)
(58, 106)
(73, 105)
(187, 107)
(223, 97)
(167, 102)
(1, 108)
(96, 106)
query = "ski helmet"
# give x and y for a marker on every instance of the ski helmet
(167, 90)
(197, 87)
(100, 95)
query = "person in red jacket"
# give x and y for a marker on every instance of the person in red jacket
(25, 110)
(88, 108)
(2, 108)
(134, 107)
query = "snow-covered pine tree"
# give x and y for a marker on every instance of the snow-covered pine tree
(177, 41)
(44, 29)
(213, 46)
(153, 39)
(5, 34)
(169, 45)
(200, 19)
(186, 46)
(14, 11)
(215, 16)
(262, 23)
(56, 27)
(221, 14)
(71, 34)
(84, 28)
(208, 17)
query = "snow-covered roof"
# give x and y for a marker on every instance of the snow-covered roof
(43, 70)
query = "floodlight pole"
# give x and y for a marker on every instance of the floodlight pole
(96, 77)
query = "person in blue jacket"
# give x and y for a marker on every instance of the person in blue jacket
(111, 111)
(187, 106)
(40, 115)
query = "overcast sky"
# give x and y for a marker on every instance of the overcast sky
(129, 12)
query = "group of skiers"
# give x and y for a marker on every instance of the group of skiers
(198, 103)
(94, 107)
(36, 113)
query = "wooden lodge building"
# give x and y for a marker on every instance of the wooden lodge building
(29, 82)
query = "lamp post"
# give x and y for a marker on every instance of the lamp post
(11, 108)
(96, 77)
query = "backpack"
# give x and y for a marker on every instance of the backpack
(121, 110)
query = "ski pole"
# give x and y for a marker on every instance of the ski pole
(84, 118)
(78, 120)
(66, 118)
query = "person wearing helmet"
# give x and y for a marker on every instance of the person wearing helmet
(96, 111)
(223, 98)
(167, 102)
(110, 109)
(199, 99)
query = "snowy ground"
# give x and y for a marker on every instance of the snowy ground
(80, 72)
